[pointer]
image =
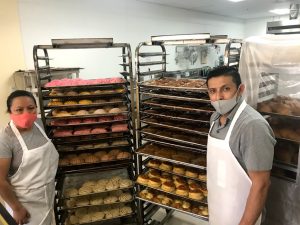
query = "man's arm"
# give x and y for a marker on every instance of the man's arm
(257, 196)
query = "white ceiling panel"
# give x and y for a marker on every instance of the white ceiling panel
(247, 9)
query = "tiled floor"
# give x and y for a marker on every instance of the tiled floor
(179, 219)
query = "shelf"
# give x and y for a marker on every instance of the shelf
(151, 63)
(179, 210)
(286, 166)
(151, 54)
(153, 72)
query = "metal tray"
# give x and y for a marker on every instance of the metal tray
(84, 106)
(280, 115)
(176, 118)
(179, 210)
(168, 144)
(87, 86)
(65, 142)
(85, 124)
(148, 84)
(173, 139)
(60, 149)
(171, 172)
(85, 206)
(204, 201)
(84, 96)
(173, 97)
(49, 115)
(170, 160)
(286, 139)
(161, 105)
(161, 124)
(84, 135)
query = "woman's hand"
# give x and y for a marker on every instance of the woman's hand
(21, 215)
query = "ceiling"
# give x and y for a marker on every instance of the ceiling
(247, 9)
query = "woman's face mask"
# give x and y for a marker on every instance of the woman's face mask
(24, 120)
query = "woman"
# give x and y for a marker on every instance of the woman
(28, 163)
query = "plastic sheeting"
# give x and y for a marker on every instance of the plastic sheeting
(270, 69)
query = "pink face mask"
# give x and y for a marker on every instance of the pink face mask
(24, 120)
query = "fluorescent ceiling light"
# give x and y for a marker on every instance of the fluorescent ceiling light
(284, 11)
(236, 0)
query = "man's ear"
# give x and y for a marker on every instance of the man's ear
(242, 88)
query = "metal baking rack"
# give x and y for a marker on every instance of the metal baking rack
(175, 103)
(108, 89)
(172, 208)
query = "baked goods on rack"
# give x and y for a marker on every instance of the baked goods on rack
(168, 186)
(182, 190)
(154, 182)
(196, 194)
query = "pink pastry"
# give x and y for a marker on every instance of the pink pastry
(104, 119)
(120, 117)
(119, 127)
(74, 121)
(62, 133)
(82, 131)
(99, 130)
(58, 122)
(90, 120)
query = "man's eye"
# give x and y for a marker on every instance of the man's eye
(211, 92)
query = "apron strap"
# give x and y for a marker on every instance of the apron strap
(18, 135)
(236, 116)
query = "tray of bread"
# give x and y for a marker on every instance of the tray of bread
(196, 85)
(281, 106)
(89, 130)
(200, 129)
(174, 185)
(92, 157)
(104, 145)
(178, 116)
(173, 155)
(99, 215)
(83, 103)
(84, 83)
(87, 121)
(172, 96)
(176, 169)
(175, 136)
(113, 138)
(175, 105)
(178, 204)
(87, 112)
(78, 185)
(285, 129)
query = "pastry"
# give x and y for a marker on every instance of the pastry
(80, 212)
(115, 110)
(123, 155)
(91, 159)
(107, 157)
(196, 194)
(110, 199)
(167, 201)
(114, 152)
(63, 162)
(90, 120)
(85, 102)
(165, 178)
(202, 176)
(82, 112)
(194, 186)
(204, 211)
(84, 147)
(76, 160)
(55, 92)
(115, 212)
(125, 210)
(85, 218)
(82, 201)
(154, 182)
(55, 103)
(84, 155)
(99, 154)
(96, 200)
(116, 179)
(154, 163)
(125, 197)
(73, 219)
(99, 111)
(89, 183)
(191, 173)
(149, 196)
(74, 121)
(186, 205)
(70, 203)
(179, 169)
(84, 190)
(99, 188)
(95, 216)
(143, 193)
(71, 93)
(84, 93)
(168, 186)
(101, 145)
(182, 190)
(124, 183)
(70, 103)
(204, 190)
(179, 182)
(142, 179)
(154, 173)
(111, 186)
(166, 166)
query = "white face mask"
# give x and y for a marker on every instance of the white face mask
(225, 106)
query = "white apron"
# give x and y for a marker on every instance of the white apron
(33, 182)
(227, 183)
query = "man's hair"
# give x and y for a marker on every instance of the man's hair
(225, 71)
(18, 93)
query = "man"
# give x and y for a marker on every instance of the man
(239, 153)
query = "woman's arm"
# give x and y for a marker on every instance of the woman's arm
(20, 214)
